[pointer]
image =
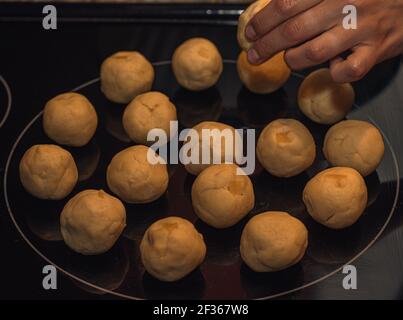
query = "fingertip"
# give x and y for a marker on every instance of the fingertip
(250, 32)
(253, 56)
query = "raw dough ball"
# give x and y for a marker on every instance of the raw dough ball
(196, 168)
(336, 197)
(324, 101)
(70, 119)
(221, 197)
(273, 241)
(197, 64)
(92, 221)
(244, 19)
(126, 74)
(356, 144)
(285, 148)
(266, 77)
(148, 111)
(172, 248)
(48, 171)
(134, 179)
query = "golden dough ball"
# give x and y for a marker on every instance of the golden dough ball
(324, 101)
(172, 248)
(336, 197)
(70, 119)
(356, 144)
(285, 148)
(244, 19)
(273, 241)
(92, 221)
(221, 197)
(265, 78)
(146, 112)
(126, 74)
(197, 64)
(48, 171)
(221, 128)
(134, 179)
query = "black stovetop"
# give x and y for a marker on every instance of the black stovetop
(35, 65)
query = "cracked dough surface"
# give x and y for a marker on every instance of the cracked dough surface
(273, 241)
(134, 179)
(48, 171)
(172, 248)
(220, 197)
(336, 197)
(356, 144)
(92, 221)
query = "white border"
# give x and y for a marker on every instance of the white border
(9, 100)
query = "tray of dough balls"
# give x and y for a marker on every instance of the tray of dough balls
(84, 194)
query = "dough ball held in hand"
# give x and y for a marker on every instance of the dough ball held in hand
(92, 221)
(48, 171)
(172, 248)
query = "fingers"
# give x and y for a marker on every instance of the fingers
(321, 49)
(356, 66)
(275, 13)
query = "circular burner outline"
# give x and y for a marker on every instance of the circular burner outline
(9, 100)
(21, 135)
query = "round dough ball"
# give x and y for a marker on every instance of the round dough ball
(244, 19)
(126, 74)
(266, 77)
(336, 197)
(196, 168)
(172, 248)
(134, 179)
(285, 148)
(197, 64)
(324, 101)
(221, 197)
(48, 171)
(92, 221)
(70, 119)
(356, 144)
(148, 111)
(273, 241)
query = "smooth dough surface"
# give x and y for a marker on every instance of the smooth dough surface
(48, 171)
(126, 74)
(92, 221)
(151, 110)
(336, 197)
(273, 241)
(134, 179)
(172, 248)
(324, 101)
(285, 148)
(221, 197)
(356, 144)
(197, 64)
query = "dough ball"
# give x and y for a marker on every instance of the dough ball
(148, 111)
(134, 179)
(336, 197)
(324, 101)
(172, 248)
(92, 221)
(273, 241)
(221, 197)
(197, 64)
(48, 171)
(126, 74)
(356, 144)
(285, 148)
(244, 19)
(70, 119)
(196, 168)
(266, 77)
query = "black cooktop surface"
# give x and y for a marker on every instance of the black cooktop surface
(37, 64)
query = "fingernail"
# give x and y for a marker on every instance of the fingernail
(250, 32)
(253, 56)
